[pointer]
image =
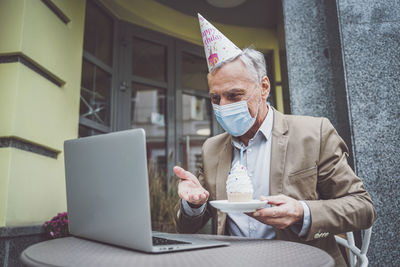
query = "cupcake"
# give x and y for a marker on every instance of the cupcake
(238, 185)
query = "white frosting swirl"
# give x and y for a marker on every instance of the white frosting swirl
(238, 180)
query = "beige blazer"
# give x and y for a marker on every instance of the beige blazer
(308, 162)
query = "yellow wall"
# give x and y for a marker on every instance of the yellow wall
(36, 110)
(36, 188)
(155, 16)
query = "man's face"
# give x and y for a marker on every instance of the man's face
(232, 83)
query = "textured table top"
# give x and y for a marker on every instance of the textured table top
(72, 251)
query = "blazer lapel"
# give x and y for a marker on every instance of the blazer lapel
(224, 165)
(278, 153)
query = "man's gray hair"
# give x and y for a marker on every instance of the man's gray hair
(252, 59)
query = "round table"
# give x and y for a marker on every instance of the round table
(72, 251)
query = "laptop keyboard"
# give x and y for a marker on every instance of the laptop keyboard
(158, 241)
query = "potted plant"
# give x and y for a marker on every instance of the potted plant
(58, 226)
(163, 198)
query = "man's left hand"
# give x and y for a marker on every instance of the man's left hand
(284, 211)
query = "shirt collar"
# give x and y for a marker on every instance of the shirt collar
(265, 128)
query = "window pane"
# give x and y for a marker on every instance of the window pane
(98, 38)
(149, 60)
(194, 72)
(87, 131)
(196, 114)
(95, 94)
(87, 86)
(196, 123)
(191, 151)
(102, 97)
(148, 111)
(89, 43)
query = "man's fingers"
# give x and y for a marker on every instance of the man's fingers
(280, 222)
(193, 198)
(203, 197)
(185, 175)
(189, 187)
(275, 200)
(196, 199)
(180, 172)
(184, 196)
(192, 193)
(281, 215)
(274, 212)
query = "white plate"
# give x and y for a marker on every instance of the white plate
(226, 206)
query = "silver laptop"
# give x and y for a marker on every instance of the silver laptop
(108, 194)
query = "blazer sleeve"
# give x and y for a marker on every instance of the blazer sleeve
(192, 224)
(344, 205)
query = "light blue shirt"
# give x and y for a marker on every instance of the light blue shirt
(257, 159)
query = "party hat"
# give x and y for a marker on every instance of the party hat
(217, 47)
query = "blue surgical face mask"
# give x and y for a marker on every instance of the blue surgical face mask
(235, 118)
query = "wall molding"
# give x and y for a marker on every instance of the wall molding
(28, 62)
(15, 231)
(57, 11)
(25, 145)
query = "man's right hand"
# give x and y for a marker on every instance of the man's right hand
(190, 189)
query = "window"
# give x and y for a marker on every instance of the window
(148, 105)
(194, 72)
(195, 112)
(98, 38)
(96, 94)
(148, 112)
(144, 79)
(148, 60)
(196, 122)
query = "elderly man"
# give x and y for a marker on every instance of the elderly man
(297, 163)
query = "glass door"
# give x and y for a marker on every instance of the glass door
(164, 90)
(194, 114)
(145, 92)
(95, 113)
(148, 97)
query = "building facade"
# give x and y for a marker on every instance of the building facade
(76, 68)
